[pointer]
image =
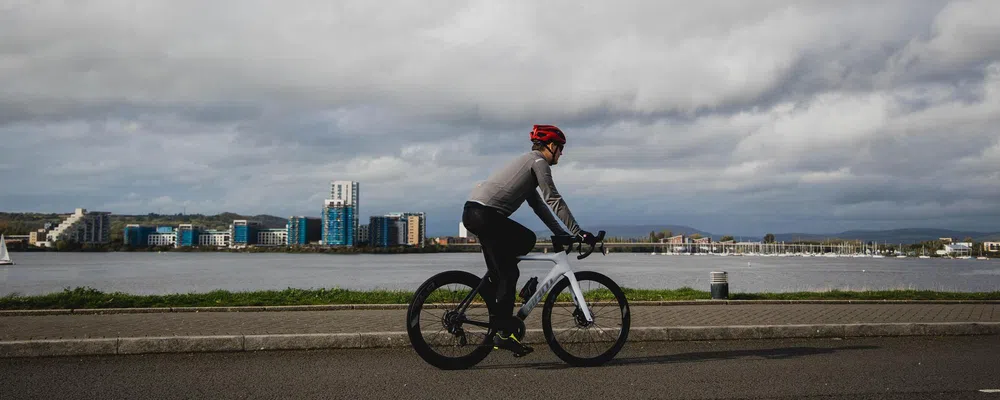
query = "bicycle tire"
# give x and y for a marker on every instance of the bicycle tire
(416, 317)
(621, 304)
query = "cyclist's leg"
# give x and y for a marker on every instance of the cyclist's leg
(516, 240)
(502, 240)
(520, 241)
(476, 219)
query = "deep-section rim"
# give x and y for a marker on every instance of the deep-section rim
(416, 336)
(550, 336)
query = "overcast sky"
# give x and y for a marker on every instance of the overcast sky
(733, 117)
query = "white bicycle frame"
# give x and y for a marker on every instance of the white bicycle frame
(560, 270)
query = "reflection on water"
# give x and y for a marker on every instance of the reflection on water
(161, 273)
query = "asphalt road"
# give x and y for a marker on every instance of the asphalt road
(872, 368)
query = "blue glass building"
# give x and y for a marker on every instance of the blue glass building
(338, 224)
(137, 235)
(244, 232)
(378, 231)
(187, 235)
(304, 230)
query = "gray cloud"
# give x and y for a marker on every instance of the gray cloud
(731, 117)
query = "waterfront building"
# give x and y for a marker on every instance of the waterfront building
(84, 227)
(304, 230)
(164, 236)
(272, 237)
(396, 229)
(363, 234)
(136, 235)
(378, 231)
(215, 238)
(338, 223)
(244, 232)
(416, 228)
(956, 249)
(187, 235)
(37, 238)
(991, 247)
(340, 214)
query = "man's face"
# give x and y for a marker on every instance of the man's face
(556, 150)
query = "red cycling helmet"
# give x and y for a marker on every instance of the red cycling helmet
(548, 133)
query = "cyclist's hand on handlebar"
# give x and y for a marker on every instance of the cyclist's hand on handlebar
(587, 237)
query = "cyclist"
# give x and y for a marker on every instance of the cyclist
(487, 213)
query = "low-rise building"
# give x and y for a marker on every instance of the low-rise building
(991, 247)
(244, 232)
(272, 237)
(187, 235)
(956, 249)
(164, 236)
(446, 240)
(36, 238)
(214, 238)
(135, 235)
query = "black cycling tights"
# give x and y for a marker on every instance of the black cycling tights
(502, 240)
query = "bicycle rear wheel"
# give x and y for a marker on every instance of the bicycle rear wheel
(441, 333)
(570, 336)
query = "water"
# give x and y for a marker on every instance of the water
(176, 272)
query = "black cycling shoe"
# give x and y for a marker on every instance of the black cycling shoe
(511, 343)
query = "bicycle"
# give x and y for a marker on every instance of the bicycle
(465, 327)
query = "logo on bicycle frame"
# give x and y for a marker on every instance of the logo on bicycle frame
(533, 301)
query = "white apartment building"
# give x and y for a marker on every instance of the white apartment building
(92, 227)
(215, 238)
(163, 239)
(272, 237)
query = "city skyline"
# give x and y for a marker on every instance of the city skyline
(741, 119)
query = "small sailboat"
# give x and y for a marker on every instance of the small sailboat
(922, 253)
(4, 254)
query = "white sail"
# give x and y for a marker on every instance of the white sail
(4, 255)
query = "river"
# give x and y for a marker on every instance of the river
(179, 272)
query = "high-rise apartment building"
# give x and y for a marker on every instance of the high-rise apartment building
(416, 228)
(338, 223)
(378, 231)
(340, 214)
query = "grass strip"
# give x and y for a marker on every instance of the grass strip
(86, 297)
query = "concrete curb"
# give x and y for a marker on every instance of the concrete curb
(235, 343)
(343, 307)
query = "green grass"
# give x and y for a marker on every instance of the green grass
(85, 297)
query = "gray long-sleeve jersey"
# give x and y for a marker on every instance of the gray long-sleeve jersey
(509, 187)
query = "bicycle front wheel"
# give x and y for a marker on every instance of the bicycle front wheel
(570, 336)
(441, 332)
